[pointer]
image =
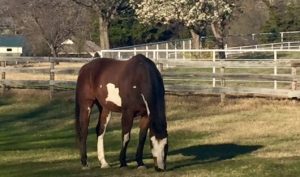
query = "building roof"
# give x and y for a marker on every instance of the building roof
(12, 41)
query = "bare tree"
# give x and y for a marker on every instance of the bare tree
(55, 21)
(106, 11)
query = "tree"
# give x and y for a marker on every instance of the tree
(106, 11)
(283, 16)
(127, 30)
(48, 19)
(195, 15)
(222, 14)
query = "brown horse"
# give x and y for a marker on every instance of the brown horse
(133, 87)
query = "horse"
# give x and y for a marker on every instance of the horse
(133, 87)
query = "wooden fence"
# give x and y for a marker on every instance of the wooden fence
(268, 77)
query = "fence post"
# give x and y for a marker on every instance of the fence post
(119, 55)
(223, 95)
(153, 54)
(275, 69)
(147, 48)
(183, 47)
(3, 77)
(214, 68)
(294, 76)
(294, 81)
(157, 49)
(176, 57)
(100, 54)
(167, 50)
(52, 78)
(225, 48)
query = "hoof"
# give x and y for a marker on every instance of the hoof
(142, 167)
(105, 166)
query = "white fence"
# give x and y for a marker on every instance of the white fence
(271, 73)
(184, 44)
(194, 54)
(164, 45)
(270, 46)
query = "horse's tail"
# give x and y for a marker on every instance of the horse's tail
(156, 100)
(157, 105)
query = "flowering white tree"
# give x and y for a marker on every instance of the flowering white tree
(196, 15)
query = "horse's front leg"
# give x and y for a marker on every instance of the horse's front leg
(127, 121)
(104, 118)
(144, 125)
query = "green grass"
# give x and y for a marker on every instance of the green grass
(246, 137)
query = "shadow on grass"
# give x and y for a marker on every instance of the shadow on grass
(210, 153)
(4, 102)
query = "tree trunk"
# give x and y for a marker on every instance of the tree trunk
(53, 51)
(195, 40)
(219, 36)
(103, 33)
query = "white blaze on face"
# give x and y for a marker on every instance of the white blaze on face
(113, 94)
(158, 151)
(126, 139)
(100, 145)
(146, 103)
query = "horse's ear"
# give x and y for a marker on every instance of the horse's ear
(96, 55)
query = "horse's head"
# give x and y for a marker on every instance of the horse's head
(159, 152)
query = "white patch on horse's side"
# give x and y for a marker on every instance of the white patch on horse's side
(146, 103)
(126, 139)
(134, 87)
(158, 150)
(100, 145)
(113, 94)
(100, 86)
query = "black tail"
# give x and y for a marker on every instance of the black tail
(156, 101)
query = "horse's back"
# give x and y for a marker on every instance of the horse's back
(131, 81)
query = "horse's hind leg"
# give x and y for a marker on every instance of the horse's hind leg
(144, 125)
(82, 129)
(104, 118)
(127, 121)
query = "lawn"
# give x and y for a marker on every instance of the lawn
(244, 137)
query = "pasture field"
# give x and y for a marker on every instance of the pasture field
(244, 137)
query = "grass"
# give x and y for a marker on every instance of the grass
(246, 137)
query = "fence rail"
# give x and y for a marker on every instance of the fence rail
(194, 54)
(273, 75)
